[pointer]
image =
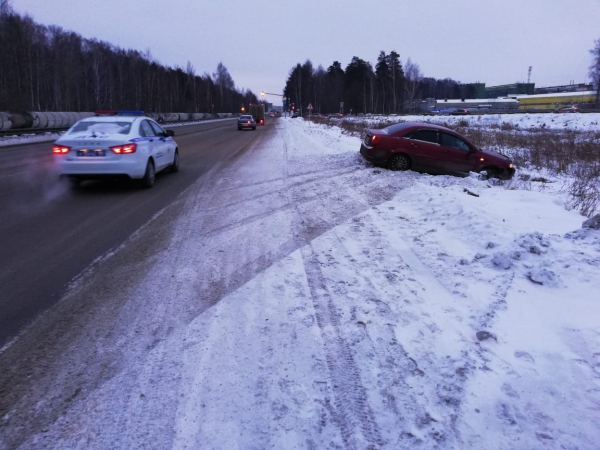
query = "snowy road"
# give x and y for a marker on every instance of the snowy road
(299, 298)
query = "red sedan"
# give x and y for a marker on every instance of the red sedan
(431, 148)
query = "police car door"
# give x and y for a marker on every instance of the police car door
(149, 139)
(164, 145)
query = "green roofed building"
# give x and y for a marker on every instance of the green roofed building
(472, 90)
(506, 90)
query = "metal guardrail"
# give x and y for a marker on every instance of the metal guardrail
(23, 131)
(24, 122)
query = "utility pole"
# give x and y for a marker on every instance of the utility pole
(529, 75)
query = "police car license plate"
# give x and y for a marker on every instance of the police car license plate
(91, 152)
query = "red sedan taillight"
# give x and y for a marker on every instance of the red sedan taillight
(60, 149)
(121, 149)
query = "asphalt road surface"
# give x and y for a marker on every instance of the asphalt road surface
(50, 233)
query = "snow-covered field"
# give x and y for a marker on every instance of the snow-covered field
(549, 121)
(308, 300)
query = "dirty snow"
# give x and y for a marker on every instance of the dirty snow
(308, 300)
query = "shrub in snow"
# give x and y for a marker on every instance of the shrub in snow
(534, 243)
(543, 277)
(502, 260)
(593, 223)
(485, 335)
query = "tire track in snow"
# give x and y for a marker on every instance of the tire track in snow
(386, 320)
(433, 367)
(274, 188)
(435, 415)
(316, 175)
(352, 412)
(301, 194)
(350, 409)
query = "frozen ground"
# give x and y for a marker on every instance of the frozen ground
(304, 299)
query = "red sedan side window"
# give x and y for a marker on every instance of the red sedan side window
(453, 142)
(425, 136)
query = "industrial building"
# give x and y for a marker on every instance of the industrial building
(507, 90)
(476, 97)
(565, 88)
(584, 99)
(431, 105)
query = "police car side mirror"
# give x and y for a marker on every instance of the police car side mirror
(170, 133)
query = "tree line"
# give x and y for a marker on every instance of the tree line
(387, 88)
(46, 68)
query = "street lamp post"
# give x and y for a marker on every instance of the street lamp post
(263, 93)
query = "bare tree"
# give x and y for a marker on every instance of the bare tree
(190, 88)
(224, 83)
(319, 87)
(595, 69)
(413, 75)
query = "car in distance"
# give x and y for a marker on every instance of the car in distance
(115, 144)
(460, 112)
(567, 109)
(432, 149)
(257, 111)
(246, 121)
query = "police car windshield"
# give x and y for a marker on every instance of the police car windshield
(102, 127)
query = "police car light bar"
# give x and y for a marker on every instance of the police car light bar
(122, 112)
(132, 112)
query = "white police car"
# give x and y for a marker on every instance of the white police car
(116, 144)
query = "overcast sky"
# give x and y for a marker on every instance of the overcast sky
(489, 41)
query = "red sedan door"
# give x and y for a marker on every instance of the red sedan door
(423, 148)
(455, 154)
